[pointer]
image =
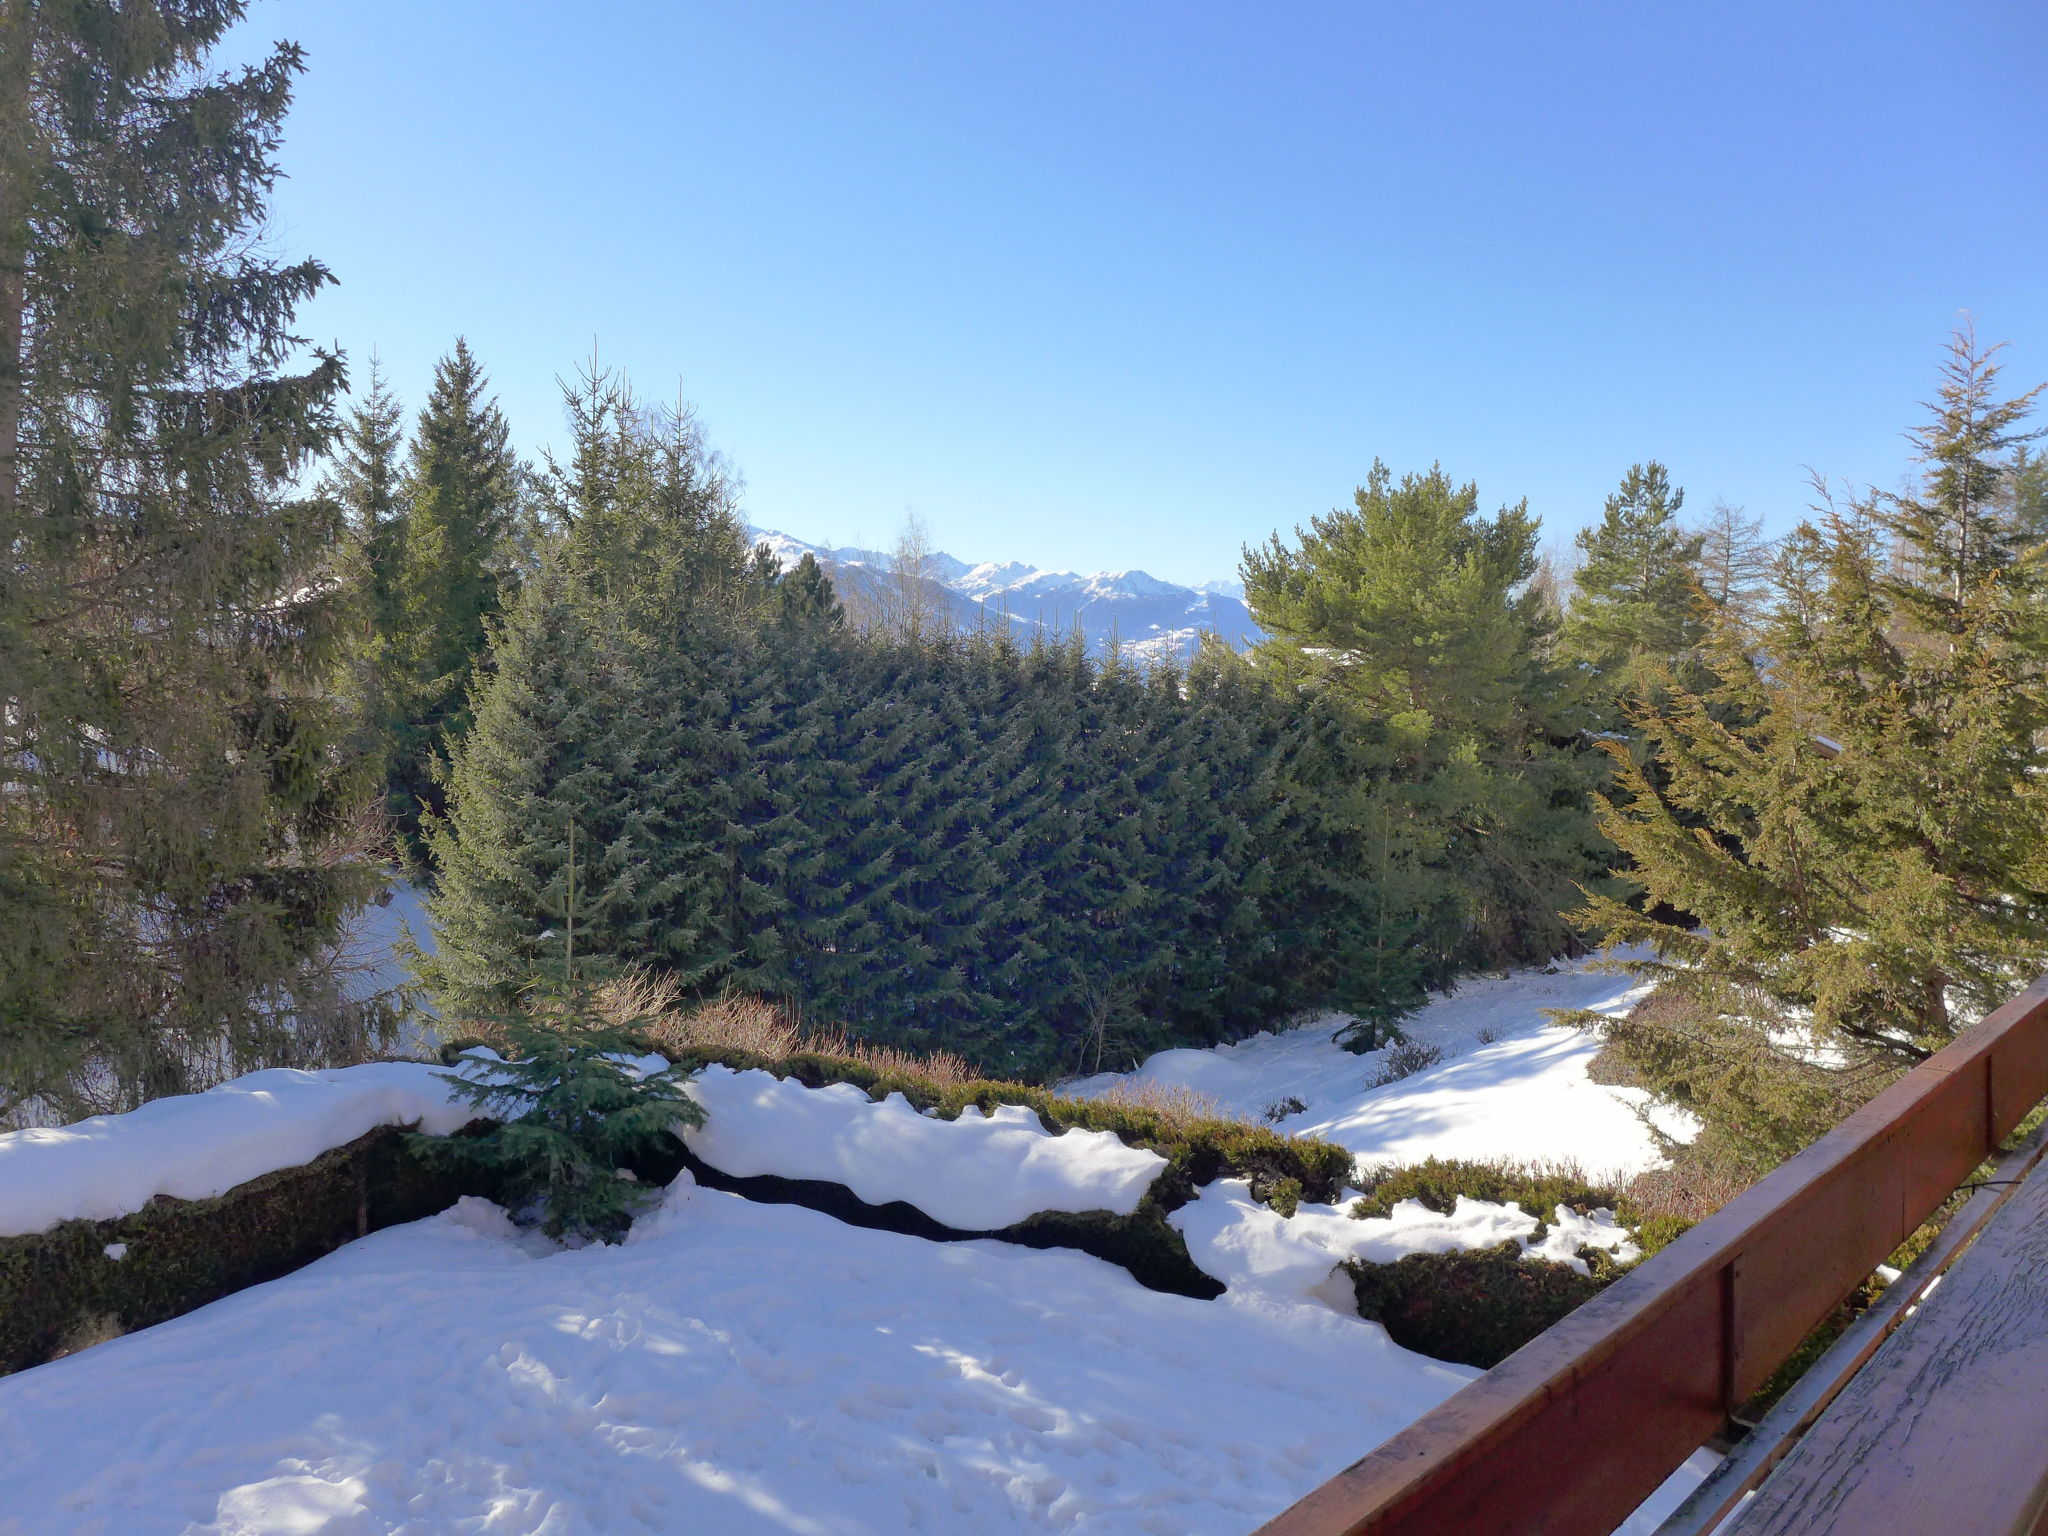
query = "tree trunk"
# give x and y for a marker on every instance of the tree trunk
(15, 40)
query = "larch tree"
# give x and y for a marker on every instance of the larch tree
(1734, 562)
(367, 477)
(177, 826)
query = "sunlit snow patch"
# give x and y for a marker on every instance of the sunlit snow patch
(976, 1174)
(1253, 1250)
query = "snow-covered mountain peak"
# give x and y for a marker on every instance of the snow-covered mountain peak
(1132, 608)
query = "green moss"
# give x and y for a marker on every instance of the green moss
(59, 1288)
(1472, 1308)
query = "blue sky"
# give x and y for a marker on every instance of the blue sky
(1102, 285)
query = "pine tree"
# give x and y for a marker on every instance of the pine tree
(446, 586)
(1418, 615)
(1633, 608)
(1853, 828)
(177, 822)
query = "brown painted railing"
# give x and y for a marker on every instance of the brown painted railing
(1575, 1429)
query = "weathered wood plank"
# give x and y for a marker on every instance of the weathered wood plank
(1946, 1429)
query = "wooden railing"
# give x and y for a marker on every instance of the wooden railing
(1575, 1429)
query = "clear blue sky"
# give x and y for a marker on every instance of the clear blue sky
(1102, 285)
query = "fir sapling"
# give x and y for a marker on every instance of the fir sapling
(574, 1111)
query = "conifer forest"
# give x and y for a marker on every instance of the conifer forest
(272, 637)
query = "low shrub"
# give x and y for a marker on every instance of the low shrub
(1404, 1059)
(1539, 1188)
(1471, 1308)
(1280, 1109)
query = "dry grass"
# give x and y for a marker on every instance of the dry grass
(941, 1069)
(655, 1007)
(1180, 1107)
(734, 1022)
(1685, 1190)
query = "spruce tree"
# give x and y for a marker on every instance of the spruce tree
(569, 731)
(446, 586)
(1841, 848)
(366, 478)
(1633, 608)
(175, 831)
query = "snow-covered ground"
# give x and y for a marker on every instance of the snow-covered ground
(1251, 1248)
(738, 1367)
(732, 1368)
(377, 944)
(1511, 1086)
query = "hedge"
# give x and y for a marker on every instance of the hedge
(1143, 1243)
(1474, 1308)
(1197, 1151)
(59, 1289)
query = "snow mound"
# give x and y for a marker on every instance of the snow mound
(1513, 1086)
(196, 1145)
(976, 1174)
(1253, 1250)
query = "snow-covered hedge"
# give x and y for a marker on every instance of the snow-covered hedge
(197, 1145)
(1197, 1151)
(81, 1279)
(977, 1172)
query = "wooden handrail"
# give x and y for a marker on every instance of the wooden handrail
(1576, 1428)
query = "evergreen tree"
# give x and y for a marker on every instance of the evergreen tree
(1633, 608)
(573, 1111)
(569, 730)
(176, 822)
(366, 479)
(1417, 614)
(1843, 845)
(446, 586)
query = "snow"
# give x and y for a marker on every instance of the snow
(977, 1173)
(737, 1368)
(1514, 1086)
(377, 943)
(759, 1368)
(200, 1144)
(1249, 1247)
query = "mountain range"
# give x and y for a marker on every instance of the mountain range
(1145, 616)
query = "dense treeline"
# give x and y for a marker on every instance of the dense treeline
(1037, 858)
